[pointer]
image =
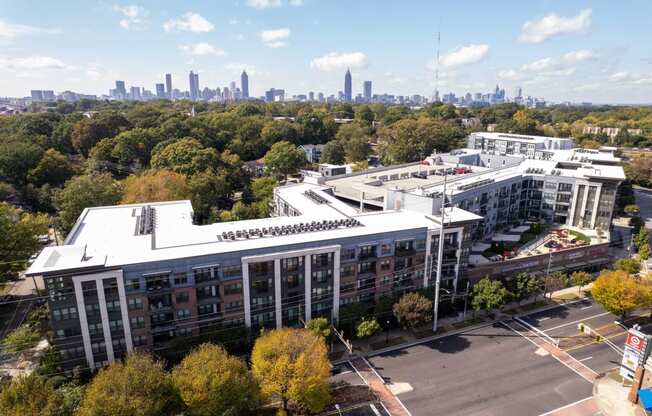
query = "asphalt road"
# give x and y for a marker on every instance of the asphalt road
(644, 201)
(494, 371)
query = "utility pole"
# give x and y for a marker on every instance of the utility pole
(440, 256)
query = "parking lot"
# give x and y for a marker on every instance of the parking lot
(495, 370)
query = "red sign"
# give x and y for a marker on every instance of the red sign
(634, 341)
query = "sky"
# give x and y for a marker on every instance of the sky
(562, 50)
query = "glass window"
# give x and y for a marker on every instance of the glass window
(180, 278)
(182, 297)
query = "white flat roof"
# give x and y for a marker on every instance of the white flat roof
(526, 137)
(107, 235)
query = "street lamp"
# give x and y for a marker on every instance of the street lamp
(620, 324)
(387, 332)
(337, 406)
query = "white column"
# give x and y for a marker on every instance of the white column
(105, 319)
(336, 284)
(245, 293)
(124, 312)
(307, 283)
(277, 293)
(83, 322)
(460, 238)
(571, 209)
(594, 214)
(428, 259)
(584, 201)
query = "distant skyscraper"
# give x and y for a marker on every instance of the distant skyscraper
(120, 89)
(135, 93)
(193, 80)
(168, 85)
(366, 87)
(160, 90)
(244, 84)
(48, 95)
(311, 96)
(347, 86)
(37, 95)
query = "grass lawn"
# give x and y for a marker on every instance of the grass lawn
(567, 297)
(578, 235)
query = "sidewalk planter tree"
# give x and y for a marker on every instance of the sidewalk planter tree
(320, 326)
(526, 286)
(581, 279)
(488, 294)
(413, 310)
(291, 366)
(631, 266)
(632, 209)
(644, 251)
(138, 386)
(620, 293)
(367, 328)
(555, 281)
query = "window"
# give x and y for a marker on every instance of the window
(261, 286)
(385, 249)
(137, 322)
(420, 244)
(180, 278)
(98, 347)
(182, 297)
(233, 288)
(233, 306)
(367, 251)
(183, 332)
(139, 340)
(95, 329)
(119, 344)
(348, 270)
(204, 274)
(207, 309)
(322, 260)
(292, 264)
(367, 267)
(207, 292)
(135, 303)
(348, 254)
(231, 271)
(260, 269)
(113, 306)
(294, 280)
(92, 309)
(321, 276)
(132, 284)
(65, 313)
(565, 187)
(385, 265)
(67, 332)
(183, 313)
(115, 325)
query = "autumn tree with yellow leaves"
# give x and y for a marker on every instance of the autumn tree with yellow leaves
(291, 366)
(620, 293)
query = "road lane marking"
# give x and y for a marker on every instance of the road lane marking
(566, 407)
(576, 322)
(577, 347)
(545, 318)
(586, 307)
(585, 359)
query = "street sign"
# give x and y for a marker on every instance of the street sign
(635, 341)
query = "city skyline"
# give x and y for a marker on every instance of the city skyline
(565, 52)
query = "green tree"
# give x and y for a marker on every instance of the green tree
(186, 156)
(155, 186)
(641, 237)
(262, 189)
(22, 338)
(70, 397)
(630, 265)
(555, 281)
(644, 251)
(291, 365)
(412, 310)
(320, 326)
(88, 131)
(29, 395)
(19, 240)
(17, 159)
(488, 294)
(284, 159)
(367, 328)
(53, 168)
(132, 148)
(526, 286)
(364, 114)
(209, 191)
(632, 209)
(333, 153)
(580, 279)
(620, 293)
(85, 191)
(211, 382)
(137, 386)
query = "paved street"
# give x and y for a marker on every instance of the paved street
(498, 371)
(644, 201)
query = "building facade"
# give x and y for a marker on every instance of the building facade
(142, 276)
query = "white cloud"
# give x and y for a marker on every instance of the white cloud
(234, 22)
(335, 60)
(464, 55)
(510, 75)
(189, 22)
(10, 30)
(134, 17)
(263, 4)
(619, 76)
(551, 25)
(296, 3)
(553, 66)
(236, 68)
(32, 62)
(275, 38)
(202, 49)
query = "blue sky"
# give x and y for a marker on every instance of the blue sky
(559, 49)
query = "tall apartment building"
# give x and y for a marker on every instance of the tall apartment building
(140, 276)
(539, 147)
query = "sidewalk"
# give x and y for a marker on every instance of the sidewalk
(372, 379)
(611, 398)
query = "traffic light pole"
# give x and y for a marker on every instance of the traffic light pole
(440, 255)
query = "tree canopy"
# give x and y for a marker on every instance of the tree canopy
(413, 309)
(620, 293)
(154, 186)
(488, 294)
(19, 240)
